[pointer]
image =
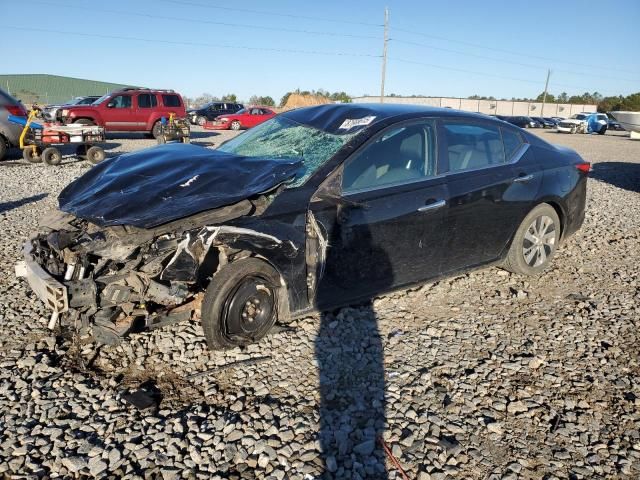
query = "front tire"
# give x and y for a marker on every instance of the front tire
(235, 125)
(535, 242)
(30, 156)
(602, 130)
(201, 120)
(240, 304)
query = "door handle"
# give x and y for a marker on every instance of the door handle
(523, 179)
(433, 206)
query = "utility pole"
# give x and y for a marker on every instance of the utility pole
(384, 52)
(544, 97)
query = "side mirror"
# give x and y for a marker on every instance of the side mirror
(111, 105)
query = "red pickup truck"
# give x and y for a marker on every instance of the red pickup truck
(127, 110)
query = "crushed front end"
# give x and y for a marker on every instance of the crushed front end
(109, 281)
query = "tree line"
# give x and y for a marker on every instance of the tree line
(267, 101)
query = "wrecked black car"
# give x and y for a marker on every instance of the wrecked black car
(314, 209)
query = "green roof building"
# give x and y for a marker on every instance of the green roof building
(52, 89)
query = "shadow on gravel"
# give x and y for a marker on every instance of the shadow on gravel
(205, 134)
(5, 207)
(619, 174)
(349, 352)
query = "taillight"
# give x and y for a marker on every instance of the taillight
(584, 167)
(17, 110)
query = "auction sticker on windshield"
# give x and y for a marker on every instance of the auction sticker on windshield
(356, 122)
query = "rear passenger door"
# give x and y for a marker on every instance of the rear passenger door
(490, 189)
(147, 104)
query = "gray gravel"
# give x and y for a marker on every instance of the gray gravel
(486, 375)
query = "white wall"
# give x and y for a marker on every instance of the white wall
(488, 107)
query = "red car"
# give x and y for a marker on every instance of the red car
(245, 118)
(127, 110)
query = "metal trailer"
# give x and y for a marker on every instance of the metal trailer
(40, 143)
(174, 130)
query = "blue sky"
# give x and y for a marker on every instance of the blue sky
(439, 48)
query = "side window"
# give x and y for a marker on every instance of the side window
(472, 145)
(398, 155)
(147, 100)
(121, 101)
(171, 100)
(512, 141)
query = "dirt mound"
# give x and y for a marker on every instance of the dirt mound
(297, 100)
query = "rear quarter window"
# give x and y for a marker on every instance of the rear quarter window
(512, 142)
(171, 100)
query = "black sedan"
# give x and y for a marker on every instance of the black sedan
(317, 208)
(523, 122)
(546, 123)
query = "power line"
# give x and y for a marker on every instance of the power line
(510, 52)
(194, 44)
(207, 22)
(528, 65)
(263, 12)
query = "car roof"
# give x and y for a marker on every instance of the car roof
(331, 118)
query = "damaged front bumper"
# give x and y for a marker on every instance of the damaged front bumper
(111, 281)
(48, 289)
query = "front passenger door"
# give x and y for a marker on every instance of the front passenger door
(385, 229)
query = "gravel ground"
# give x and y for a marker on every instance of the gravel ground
(486, 375)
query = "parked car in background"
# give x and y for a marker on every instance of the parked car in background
(585, 122)
(9, 131)
(613, 124)
(127, 110)
(544, 122)
(245, 118)
(49, 112)
(208, 112)
(314, 209)
(553, 120)
(522, 122)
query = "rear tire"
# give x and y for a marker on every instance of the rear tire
(240, 304)
(535, 242)
(156, 130)
(29, 156)
(95, 155)
(51, 156)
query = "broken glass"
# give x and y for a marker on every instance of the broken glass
(284, 138)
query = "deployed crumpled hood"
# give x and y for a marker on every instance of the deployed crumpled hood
(160, 184)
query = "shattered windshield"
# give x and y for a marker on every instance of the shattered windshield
(281, 137)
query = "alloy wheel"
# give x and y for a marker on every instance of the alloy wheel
(539, 241)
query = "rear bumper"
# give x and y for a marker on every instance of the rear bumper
(48, 289)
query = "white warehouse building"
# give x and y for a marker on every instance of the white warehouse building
(488, 107)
